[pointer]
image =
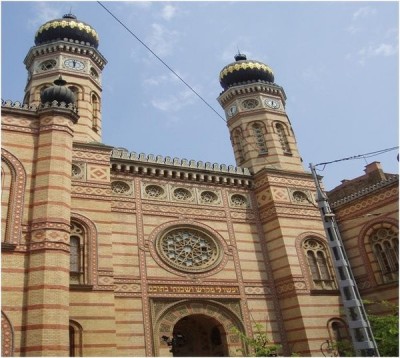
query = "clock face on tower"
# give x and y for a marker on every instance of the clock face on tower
(74, 64)
(272, 103)
(232, 111)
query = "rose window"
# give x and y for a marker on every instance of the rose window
(119, 187)
(48, 65)
(208, 197)
(182, 194)
(250, 103)
(238, 200)
(189, 250)
(154, 191)
(299, 197)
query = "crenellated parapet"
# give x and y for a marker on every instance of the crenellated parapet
(157, 165)
(18, 105)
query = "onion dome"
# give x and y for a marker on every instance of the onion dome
(244, 71)
(58, 92)
(67, 28)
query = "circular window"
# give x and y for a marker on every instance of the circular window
(182, 194)
(48, 65)
(120, 187)
(299, 196)
(238, 200)
(94, 73)
(154, 191)
(189, 250)
(250, 103)
(76, 171)
(208, 197)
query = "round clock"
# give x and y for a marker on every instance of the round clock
(272, 103)
(74, 64)
(232, 111)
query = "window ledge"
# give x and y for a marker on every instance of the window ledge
(78, 287)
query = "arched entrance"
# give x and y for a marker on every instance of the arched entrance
(199, 335)
(207, 326)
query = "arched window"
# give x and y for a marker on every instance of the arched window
(260, 138)
(75, 339)
(317, 259)
(95, 111)
(78, 274)
(280, 130)
(339, 336)
(238, 145)
(385, 245)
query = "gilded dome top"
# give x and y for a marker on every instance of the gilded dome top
(244, 71)
(67, 28)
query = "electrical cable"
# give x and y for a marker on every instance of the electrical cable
(162, 61)
(359, 156)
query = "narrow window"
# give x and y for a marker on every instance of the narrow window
(238, 146)
(280, 130)
(260, 139)
(95, 111)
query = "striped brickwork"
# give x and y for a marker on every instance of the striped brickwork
(357, 218)
(286, 222)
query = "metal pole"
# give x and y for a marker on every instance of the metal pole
(360, 330)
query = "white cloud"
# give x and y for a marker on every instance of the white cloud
(174, 103)
(382, 49)
(168, 12)
(162, 40)
(45, 11)
(364, 12)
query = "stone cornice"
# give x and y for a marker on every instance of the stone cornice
(123, 161)
(365, 191)
(65, 46)
(255, 87)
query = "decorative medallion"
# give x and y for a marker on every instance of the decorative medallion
(189, 250)
(182, 194)
(300, 197)
(78, 170)
(120, 187)
(250, 103)
(154, 191)
(47, 65)
(208, 197)
(239, 201)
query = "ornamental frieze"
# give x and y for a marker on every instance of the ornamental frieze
(367, 204)
(184, 210)
(275, 211)
(91, 190)
(284, 181)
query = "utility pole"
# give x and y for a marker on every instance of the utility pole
(360, 329)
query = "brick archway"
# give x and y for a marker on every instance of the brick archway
(172, 313)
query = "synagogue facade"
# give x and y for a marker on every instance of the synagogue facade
(107, 252)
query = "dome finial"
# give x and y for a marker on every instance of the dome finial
(60, 81)
(240, 56)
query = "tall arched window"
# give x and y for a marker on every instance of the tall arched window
(77, 254)
(238, 145)
(339, 336)
(95, 111)
(317, 259)
(260, 138)
(75, 339)
(385, 245)
(280, 130)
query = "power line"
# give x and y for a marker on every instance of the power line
(161, 60)
(359, 156)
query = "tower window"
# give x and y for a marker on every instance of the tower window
(94, 73)
(260, 139)
(280, 130)
(238, 146)
(76, 256)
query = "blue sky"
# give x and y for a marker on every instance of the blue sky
(337, 61)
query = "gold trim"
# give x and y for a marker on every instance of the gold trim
(72, 24)
(244, 66)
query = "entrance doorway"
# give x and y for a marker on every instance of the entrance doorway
(202, 336)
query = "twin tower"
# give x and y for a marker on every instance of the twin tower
(254, 104)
